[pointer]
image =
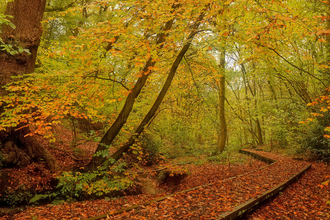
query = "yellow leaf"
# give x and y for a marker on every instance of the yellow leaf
(323, 109)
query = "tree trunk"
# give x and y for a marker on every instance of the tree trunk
(115, 128)
(27, 15)
(223, 125)
(98, 160)
(259, 133)
(117, 155)
(328, 46)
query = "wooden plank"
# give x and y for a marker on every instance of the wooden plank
(257, 156)
(251, 204)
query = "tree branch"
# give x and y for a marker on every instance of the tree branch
(60, 8)
(302, 70)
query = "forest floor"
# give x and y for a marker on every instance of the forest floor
(308, 198)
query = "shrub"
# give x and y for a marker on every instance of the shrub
(315, 145)
(78, 185)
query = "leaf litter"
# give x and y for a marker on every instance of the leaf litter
(208, 202)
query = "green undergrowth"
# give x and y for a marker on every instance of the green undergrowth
(72, 186)
(181, 150)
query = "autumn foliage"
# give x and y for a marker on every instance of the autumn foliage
(99, 97)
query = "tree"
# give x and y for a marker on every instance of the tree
(17, 148)
(121, 120)
(222, 97)
(107, 62)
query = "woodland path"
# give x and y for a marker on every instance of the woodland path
(209, 202)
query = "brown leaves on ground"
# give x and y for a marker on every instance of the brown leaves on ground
(307, 198)
(208, 202)
(304, 200)
(36, 177)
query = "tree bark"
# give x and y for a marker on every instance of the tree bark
(222, 134)
(222, 89)
(223, 125)
(27, 15)
(259, 133)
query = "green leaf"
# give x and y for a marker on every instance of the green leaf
(37, 198)
(12, 25)
(13, 52)
(27, 51)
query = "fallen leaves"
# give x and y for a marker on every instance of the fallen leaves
(304, 200)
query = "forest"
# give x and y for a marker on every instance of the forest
(163, 109)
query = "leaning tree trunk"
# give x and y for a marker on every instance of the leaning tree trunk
(118, 154)
(120, 121)
(106, 140)
(17, 149)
